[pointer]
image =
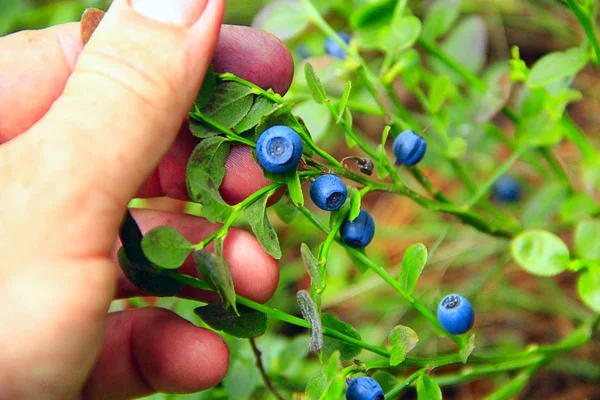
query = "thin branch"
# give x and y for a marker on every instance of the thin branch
(261, 368)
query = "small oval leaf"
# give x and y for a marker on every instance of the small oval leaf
(588, 287)
(248, 323)
(166, 247)
(557, 65)
(587, 239)
(540, 253)
(413, 263)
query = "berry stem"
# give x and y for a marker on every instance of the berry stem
(586, 20)
(237, 210)
(196, 114)
(379, 270)
(274, 97)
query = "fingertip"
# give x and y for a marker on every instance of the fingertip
(256, 56)
(255, 273)
(175, 356)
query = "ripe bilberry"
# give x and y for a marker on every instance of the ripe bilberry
(278, 149)
(364, 388)
(507, 189)
(328, 192)
(360, 232)
(331, 47)
(409, 148)
(456, 314)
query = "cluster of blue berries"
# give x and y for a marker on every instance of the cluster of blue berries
(364, 388)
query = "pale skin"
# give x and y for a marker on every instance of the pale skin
(82, 131)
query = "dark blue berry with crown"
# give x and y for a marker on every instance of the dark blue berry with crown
(456, 314)
(279, 149)
(409, 148)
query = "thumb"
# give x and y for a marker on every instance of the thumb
(119, 112)
(131, 89)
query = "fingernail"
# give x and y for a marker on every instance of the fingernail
(178, 12)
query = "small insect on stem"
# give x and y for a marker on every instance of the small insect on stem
(365, 165)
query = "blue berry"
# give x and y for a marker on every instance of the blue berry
(360, 232)
(364, 388)
(328, 192)
(409, 148)
(456, 314)
(507, 189)
(331, 47)
(278, 149)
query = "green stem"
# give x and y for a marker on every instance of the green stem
(274, 97)
(399, 387)
(237, 210)
(227, 132)
(382, 272)
(587, 23)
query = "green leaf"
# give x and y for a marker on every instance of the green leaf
(413, 263)
(344, 102)
(283, 18)
(279, 115)
(386, 380)
(587, 239)
(256, 213)
(205, 172)
(317, 387)
(201, 130)
(314, 84)
(467, 44)
(285, 210)
(247, 323)
(295, 188)
(487, 105)
(208, 88)
(439, 92)
(166, 247)
(335, 388)
(374, 15)
(334, 366)
(401, 35)
(540, 253)
(147, 277)
(428, 389)
(439, 18)
(311, 314)
(467, 349)
(242, 379)
(539, 130)
(588, 287)
(579, 207)
(557, 104)
(347, 351)
(400, 341)
(316, 117)
(214, 268)
(260, 107)
(557, 65)
(355, 204)
(456, 148)
(230, 103)
(539, 210)
(313, 267)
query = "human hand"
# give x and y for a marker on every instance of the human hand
(80, 135)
